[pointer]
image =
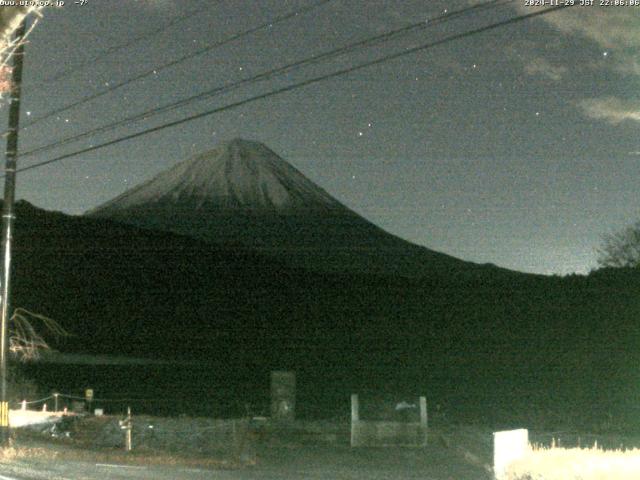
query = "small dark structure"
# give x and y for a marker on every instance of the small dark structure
(388, 433)
(283, 396)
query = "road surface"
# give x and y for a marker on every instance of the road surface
(294, 462)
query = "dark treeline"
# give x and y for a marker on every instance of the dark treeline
(488, 345)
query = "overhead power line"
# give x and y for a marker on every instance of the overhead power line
(298, 85)
(368, 42)
(116, 48)
(155, 70)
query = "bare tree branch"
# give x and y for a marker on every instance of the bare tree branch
(10, 19)
(24, 340)
(621, 249)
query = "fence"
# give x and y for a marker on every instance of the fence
(386, 432)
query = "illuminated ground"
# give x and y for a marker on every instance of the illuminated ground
(453, 453)
(445, 458)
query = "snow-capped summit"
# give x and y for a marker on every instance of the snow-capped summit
(243, 194)
(238, 175)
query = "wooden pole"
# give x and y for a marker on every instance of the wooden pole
(8, 218)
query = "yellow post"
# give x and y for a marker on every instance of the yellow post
(4, 414)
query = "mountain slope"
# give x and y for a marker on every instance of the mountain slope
(240, 176)
(478, 347)
(244, 194)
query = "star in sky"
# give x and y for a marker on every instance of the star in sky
(460, 124)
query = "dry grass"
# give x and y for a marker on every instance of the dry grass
(81, 446)
(11, 453)
(34, 450)
(576, 464)
(145, 458)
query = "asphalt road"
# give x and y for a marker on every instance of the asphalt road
(283, 463)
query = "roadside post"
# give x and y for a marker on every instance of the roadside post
(127, 426)
(88, 398)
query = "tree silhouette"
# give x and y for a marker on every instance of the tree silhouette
(10, 19)
(621, 249)
(26, 341)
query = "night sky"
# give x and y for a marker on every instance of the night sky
(518, 146)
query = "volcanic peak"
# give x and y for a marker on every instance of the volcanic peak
(238, 175)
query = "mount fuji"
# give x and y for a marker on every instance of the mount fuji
(244, 195)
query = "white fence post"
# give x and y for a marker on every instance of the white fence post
(423, 418)
(355, 417)
(508, 446)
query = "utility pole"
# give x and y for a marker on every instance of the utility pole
(7, 222)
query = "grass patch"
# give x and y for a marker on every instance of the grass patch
(543, 463)
(34, 450)
(12, 453)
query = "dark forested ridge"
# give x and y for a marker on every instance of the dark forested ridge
(563, 347)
